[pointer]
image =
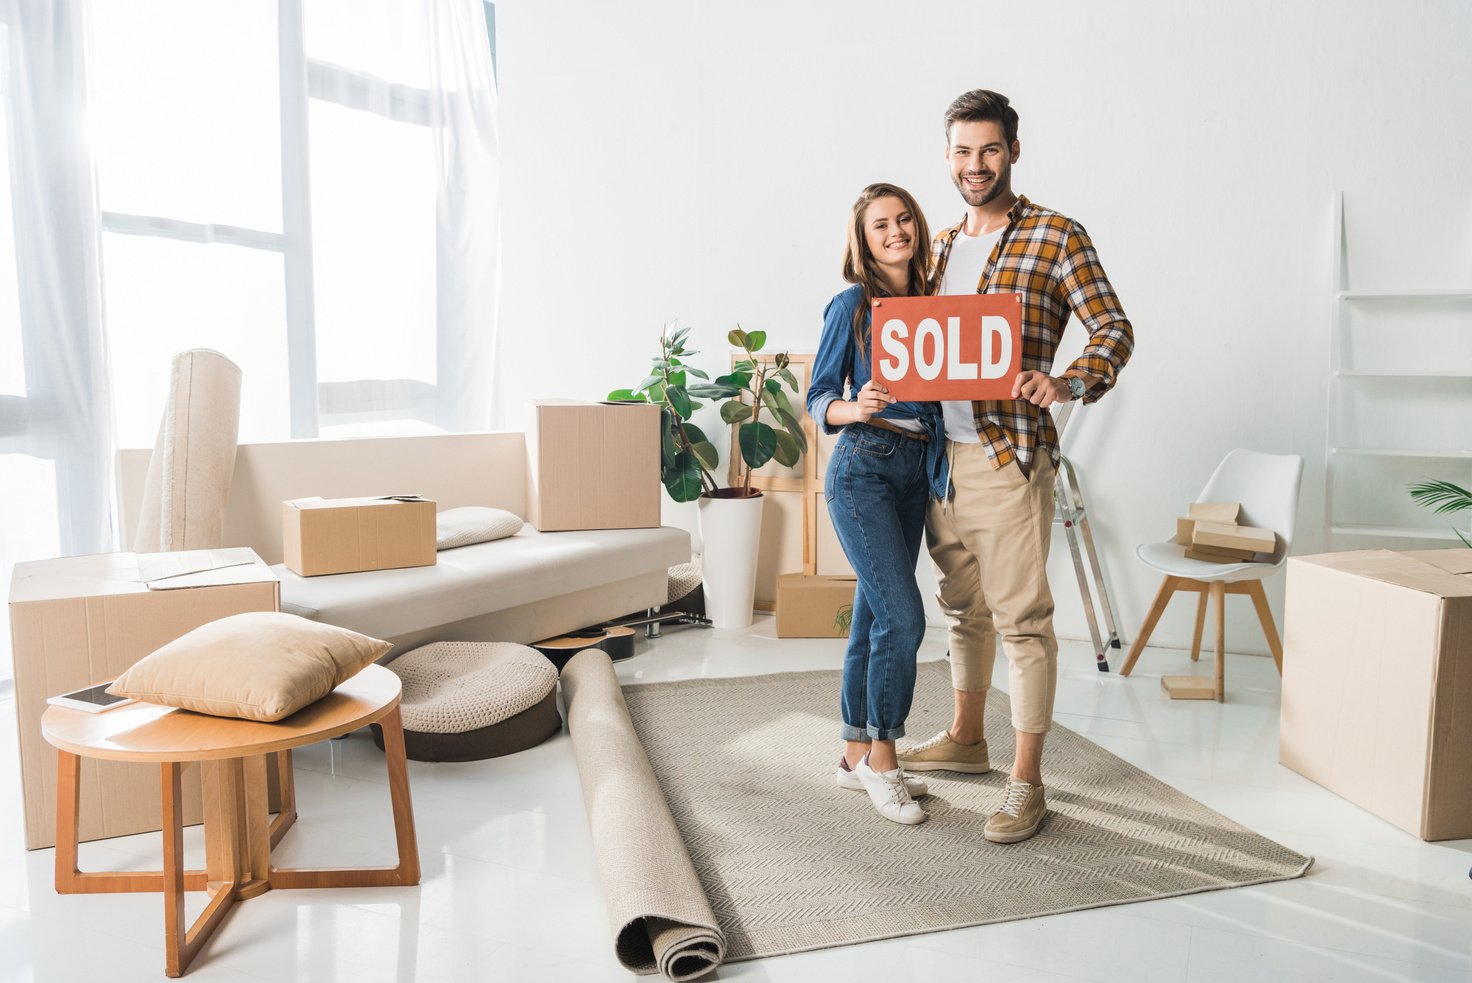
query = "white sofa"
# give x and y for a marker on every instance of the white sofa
(531, 586)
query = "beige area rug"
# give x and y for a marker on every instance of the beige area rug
(789, 862)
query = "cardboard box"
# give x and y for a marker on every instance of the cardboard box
(1215, 511)
(814, 605)
(1377, 683)
(1227, 536)
(80, 620)
(346, 535)
(592, 465)
(1189, 687)
(1212, 554)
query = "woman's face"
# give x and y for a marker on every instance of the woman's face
(889, 231)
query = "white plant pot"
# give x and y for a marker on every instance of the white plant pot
(730, 529)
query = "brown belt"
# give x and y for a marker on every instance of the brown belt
(882, 424)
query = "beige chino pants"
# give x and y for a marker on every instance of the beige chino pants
(990, 548)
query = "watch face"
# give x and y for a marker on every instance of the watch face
(1076, 386)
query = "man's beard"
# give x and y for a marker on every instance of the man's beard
(989, 194)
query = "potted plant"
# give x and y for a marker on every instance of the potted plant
(730, 517)
(1444, 497)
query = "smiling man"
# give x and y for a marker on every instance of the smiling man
(989, 538)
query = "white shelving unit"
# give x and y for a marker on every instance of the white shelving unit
(1341, 376)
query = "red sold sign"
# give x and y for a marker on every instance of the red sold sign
(967, 346)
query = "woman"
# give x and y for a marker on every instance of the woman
(878, 484)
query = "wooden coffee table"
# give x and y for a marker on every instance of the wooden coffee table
(238, 831)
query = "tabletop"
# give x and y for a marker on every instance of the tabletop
(148, 732)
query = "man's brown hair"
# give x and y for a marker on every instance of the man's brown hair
(983, 106)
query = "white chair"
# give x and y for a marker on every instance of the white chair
(1267, 487)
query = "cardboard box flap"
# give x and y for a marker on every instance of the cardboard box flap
(132, 573)
(1458, 561)
(318, 502)
(1406, 570)
(1215, 511)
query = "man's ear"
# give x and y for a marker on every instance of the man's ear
(1016, 150)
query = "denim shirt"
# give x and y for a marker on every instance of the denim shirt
(841, 370)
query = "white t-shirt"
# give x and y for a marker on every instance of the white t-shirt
(964, 268)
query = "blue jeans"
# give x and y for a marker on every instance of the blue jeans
(878, 489)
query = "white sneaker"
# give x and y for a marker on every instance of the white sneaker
(846, 778)
(888, 793)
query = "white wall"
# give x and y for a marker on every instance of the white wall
(671, 158)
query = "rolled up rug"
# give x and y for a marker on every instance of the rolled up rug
(661, 919)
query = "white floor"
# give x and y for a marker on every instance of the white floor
(510, 890)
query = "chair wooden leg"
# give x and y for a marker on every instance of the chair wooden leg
(1200, 626)
(1265, 615)
(176, 954)
(1157, 608)
(1219, 596)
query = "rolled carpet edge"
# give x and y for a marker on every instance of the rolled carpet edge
(661, 919)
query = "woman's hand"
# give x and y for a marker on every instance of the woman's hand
(872, 399)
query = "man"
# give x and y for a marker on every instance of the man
(989, 539)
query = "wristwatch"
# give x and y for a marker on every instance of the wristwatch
(1076, 386)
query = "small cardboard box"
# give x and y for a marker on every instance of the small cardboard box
(1228, 536)
(80, 620)
(1212, 554)
(592, 465)
(1215, 511)
(1377, 683)
(346, 535)
(814, 605)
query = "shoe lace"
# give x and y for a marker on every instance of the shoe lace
(899, 792)
(940, 738)
(1017, 793)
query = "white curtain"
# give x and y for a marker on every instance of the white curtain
(309, 187)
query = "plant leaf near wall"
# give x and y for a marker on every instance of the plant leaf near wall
(687, 456)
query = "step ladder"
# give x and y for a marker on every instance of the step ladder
(1071, 513)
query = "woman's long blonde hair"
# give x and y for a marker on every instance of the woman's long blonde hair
(858, 262)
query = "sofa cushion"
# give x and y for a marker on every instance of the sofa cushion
(482, 579)
(471, 524)
(261, 665)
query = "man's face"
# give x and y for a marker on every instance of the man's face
(981, 161)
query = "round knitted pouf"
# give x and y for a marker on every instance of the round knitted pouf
(464, 701)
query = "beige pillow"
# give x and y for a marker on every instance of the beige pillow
(261, 666)
(473, 524)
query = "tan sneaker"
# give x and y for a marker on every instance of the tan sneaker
(1021, 813)
(940, 753)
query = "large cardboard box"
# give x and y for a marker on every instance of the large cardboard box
(80, 620)
(346, 535)
(814, 605)
(1377, 683)
(592, 465)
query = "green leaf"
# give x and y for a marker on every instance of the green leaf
(668, 445)
(735, 411)
(745, 365)
(770, 402)
(706, 454)
(677, 378)
(679, 400)
(758, 444)
(682, 480)
(793, 427)
(785, 374)
(649, 382)
(772, 386)
(782, 360)
(714, 390)
(786, 453)
(736, 337)
(701, 375)
(1441, 496)
(659, 363)
(696, 435)
(755, 340)
(656, 393)
(679, 337)
(625, 396)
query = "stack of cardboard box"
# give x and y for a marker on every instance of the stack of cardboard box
(1211, 531)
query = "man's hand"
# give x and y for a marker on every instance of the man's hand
(872, 399)
(1040, 389)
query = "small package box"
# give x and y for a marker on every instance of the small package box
(81, 620)
(592, 465)
(814, 605)
(346, 535)
(1377, 683)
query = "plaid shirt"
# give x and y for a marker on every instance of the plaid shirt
(1050, 261)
